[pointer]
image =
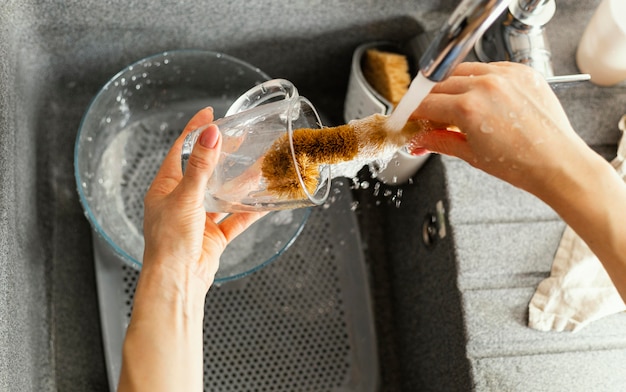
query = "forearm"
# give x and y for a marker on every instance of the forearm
(163, 345)
(591, 198)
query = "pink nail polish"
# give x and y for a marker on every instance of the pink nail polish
(209, 137)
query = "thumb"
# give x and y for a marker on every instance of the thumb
(202, 162)
(443, 141)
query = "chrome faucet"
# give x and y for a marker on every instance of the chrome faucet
(455, 40)
(520, 36)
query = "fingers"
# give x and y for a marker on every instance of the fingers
(203, 117)
(467, 76)
(216, 216)
(477, 68)
(446, 109)
(441, 141)
(170, 173)
(237, 223)
(201, 163)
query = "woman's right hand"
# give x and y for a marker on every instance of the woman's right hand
(512, 125)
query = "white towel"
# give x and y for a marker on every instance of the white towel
(579, 289)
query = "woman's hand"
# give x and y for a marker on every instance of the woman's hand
(163, 345)
(179, 234)
(512, 125)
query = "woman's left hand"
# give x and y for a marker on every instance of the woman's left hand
(179, 234)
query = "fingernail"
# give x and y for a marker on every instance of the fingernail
(209, 108)
(209, 136)
(419, 151)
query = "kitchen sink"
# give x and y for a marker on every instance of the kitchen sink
(447, 303)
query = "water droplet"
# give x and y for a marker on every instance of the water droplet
(365, 185)
(354, 205)
(486, 128)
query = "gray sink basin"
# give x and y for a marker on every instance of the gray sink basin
(448, 305)
(55, 57)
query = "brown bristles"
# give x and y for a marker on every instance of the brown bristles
(329, 145)
(413, 127)
(312, 147)
(282, 179)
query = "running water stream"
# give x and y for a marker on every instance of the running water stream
(418, 90)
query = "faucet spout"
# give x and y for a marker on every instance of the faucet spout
(520, 36)
(457, 37)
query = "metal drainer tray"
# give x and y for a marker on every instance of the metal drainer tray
(303, 323)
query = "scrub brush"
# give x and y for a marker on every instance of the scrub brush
(360, 140)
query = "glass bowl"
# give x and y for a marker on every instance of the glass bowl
(129, 127)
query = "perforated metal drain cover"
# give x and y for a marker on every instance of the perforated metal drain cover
(303, 323)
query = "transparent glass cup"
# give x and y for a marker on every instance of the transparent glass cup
(254, 122)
